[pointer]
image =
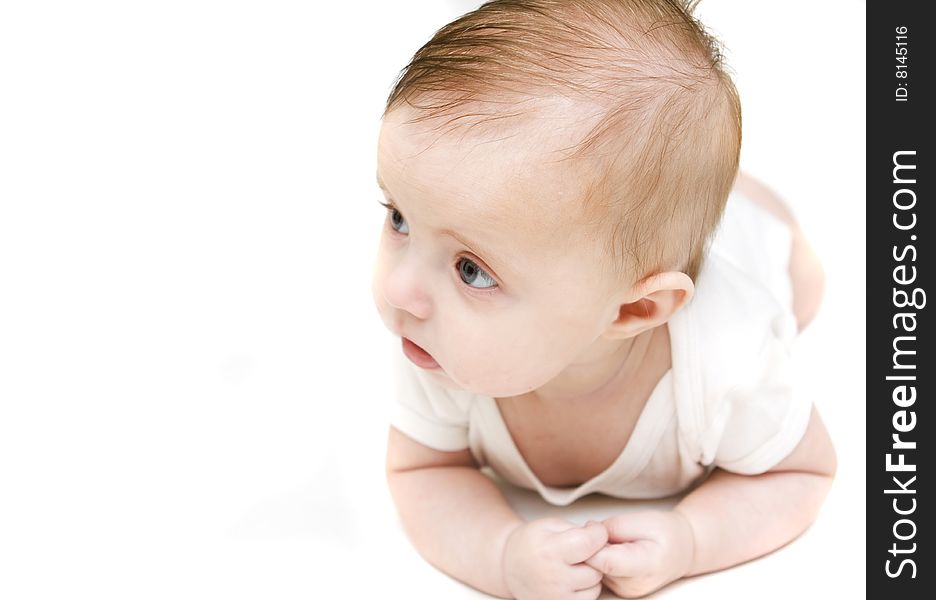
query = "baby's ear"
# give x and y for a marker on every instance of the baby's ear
(651, 303)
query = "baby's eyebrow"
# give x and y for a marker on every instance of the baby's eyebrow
(467, 243)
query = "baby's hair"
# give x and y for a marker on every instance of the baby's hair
(662, 116)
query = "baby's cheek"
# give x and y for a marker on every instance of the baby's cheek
(500, 360)
(477, 372)
(516, 373)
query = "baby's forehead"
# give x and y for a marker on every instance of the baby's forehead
(514, 187)
(516, 169)
(542, 127)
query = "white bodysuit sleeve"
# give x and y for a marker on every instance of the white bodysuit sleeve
(764, 411)
(427, 412)
(738, 401)
(765, 418)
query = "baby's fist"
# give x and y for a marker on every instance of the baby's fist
(646, 550)
(544, 560)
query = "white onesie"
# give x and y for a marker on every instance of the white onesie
(728, 400)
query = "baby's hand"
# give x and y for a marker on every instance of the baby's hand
(646, 550)
(544, 560)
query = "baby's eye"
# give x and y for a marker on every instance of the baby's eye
(474, 275)
(397, 221)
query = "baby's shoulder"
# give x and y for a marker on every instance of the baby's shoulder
(733, 328)
(732, 366)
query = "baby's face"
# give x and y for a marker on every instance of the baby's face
(483, 262)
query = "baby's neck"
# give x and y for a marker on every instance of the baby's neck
(600, 375)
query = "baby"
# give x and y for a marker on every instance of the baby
(555, 173)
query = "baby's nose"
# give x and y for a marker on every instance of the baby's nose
(405, 289)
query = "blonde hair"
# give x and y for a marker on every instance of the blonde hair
(664, 116)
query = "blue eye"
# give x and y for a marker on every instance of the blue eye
(474, 275)
(397, 221)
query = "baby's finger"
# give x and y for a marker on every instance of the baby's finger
(576, 545)
(632, 526)
(591, 593)
(584, 577)
(629, 559)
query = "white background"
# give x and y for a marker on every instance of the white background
(193, 389)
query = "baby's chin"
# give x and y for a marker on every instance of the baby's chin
(493, 391)
(445, 381)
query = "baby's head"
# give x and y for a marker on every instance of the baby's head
(554, 171)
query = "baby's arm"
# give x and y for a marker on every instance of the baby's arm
(460, 522)
(736, 518)
(727, 520)
(442, 497)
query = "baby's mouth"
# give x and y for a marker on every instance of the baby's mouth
(418, 356)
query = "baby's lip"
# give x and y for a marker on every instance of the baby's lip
(418, 356)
